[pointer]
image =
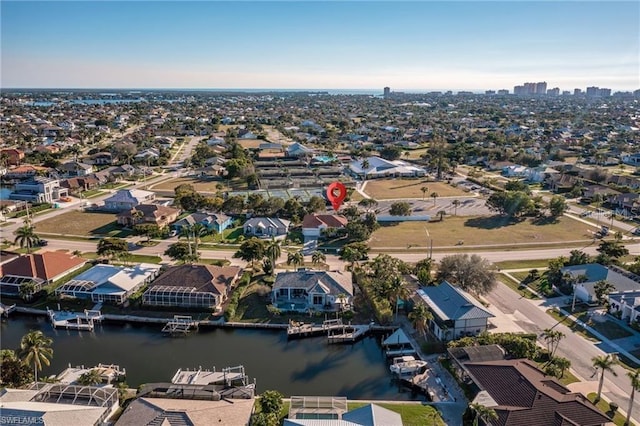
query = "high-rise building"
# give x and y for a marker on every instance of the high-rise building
(387, 92)
(592, 91)
(604, 93)
(541, 88)
(503, 92)
(518, 90)
(553, 92)
(566, 93)
(577, 92)
(490, 92)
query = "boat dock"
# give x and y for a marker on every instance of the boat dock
(6, 310)
(347, 333)
(398, 344)
(74, 320)
(180, 325)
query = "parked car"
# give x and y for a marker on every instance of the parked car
(636, 231)
(42, 243)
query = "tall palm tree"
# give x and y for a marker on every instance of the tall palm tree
(604, 363)
(397, 290)
(552, 339)
(424, 190)
(26, 237)
(90, 378)
(35, 348)
(419, 317)
(434, 195)
(482, 412)
(198, 231)
(634, 376)
(365, 166)
(318, 257)
(295, 258)
(273, 252)
(27, 289)
(456, 204)
(186, 232)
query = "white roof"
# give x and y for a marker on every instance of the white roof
(379, 165)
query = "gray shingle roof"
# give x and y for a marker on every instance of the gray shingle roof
(449, 303)
(316, 281)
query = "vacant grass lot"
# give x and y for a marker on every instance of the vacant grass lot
(385, 189)
(198, 184)
(494, 230)
(80, 223)
(250, 143)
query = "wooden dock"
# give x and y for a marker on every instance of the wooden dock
(180, 325)
(347, 334)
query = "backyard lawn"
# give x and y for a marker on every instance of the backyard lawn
(384, 189)
(477, 231)
(199, 185)
(82, 223)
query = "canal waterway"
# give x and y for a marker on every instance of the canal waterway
(293, 367)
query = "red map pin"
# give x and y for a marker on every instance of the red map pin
(336, 193)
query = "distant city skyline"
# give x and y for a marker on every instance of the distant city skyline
(408, 46)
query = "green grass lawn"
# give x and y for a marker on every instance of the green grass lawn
(522, 264)
(384, 189)
(603, 406)
(92, 193)
(200, 185)
(133, 258)
(515, 286)
(575, 327)
(412, 414)
(81, 223)
(494, 230)
(609, 329)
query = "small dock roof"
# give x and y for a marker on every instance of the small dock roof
(398, 337)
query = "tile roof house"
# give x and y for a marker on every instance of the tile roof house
(266, 226)
(521, 394)
(622, 280)
(213, 221)
(318, 290)
(313, 225)
(41, 268)
(201, 286)
(153, 214)
(455, 313)
(126, 199)
(13, 156)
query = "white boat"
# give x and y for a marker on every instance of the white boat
(406, 365)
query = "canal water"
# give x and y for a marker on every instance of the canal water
(293, 367)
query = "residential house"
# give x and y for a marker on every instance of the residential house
(109, 283)
(299, 150)
(39, 190)
(632, 159)
(149, 154)
(377, 167)
(304, 289)
(266, 227)
(455, 313)
(192, 286)
(76, 185)
(75, 168)
(515, 171)
(126, 199)
(586, 277)
(521, 394)
(26, 171)
(316, 225)
(561, 182)
(333, 411)
(100, 159)
(150, 214)
(39, 268)
(217, 222)
(11, 156)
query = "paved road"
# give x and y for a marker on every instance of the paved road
(530, 315)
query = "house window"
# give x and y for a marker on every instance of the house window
(317, 300)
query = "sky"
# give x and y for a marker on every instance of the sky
(411, 46)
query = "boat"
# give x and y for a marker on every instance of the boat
(407, 365)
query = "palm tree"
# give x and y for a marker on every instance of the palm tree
(90, 378)
(198, 231)
(27, 289)
(35, 348)
(137, 216)
(552, 338)
(563, 364)
(419, 317)
(26, 237)
(318, 257)
(434, 195)
(364, 165)
(441, 214)
(424, 190)
(397, 290)
(604, 363)
(455, 204)
(273, 252)
(295, 258)
(482, 412)
(634, 376)
(186, 231)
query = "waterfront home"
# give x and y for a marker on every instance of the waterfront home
(306, 410)
(455, 313)
(192, 286)
(126, 199)
(39, 190)
(316, 225)
(217, 222)
(587, 276)
(109, 283)
(26, 171)
(266, 227)
(59, 404)
(149, 214)
(39, 268)
(318, 290)
(109, 373)
(522, 394)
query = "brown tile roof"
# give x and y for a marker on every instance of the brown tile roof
(206, 278)
(45, 265)
(150, 211)
(330, 220)
(526, 396)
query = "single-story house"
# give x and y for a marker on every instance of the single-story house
(376, 167)
(455, 313)
(126, 199)
(39, 268)
(192, 286)
(266, 227)
(591, 273)
(307, 411)
(314, 225)
(213, 221)
(298, 150)
(153, 214)
(109, 283)
(318, 290)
